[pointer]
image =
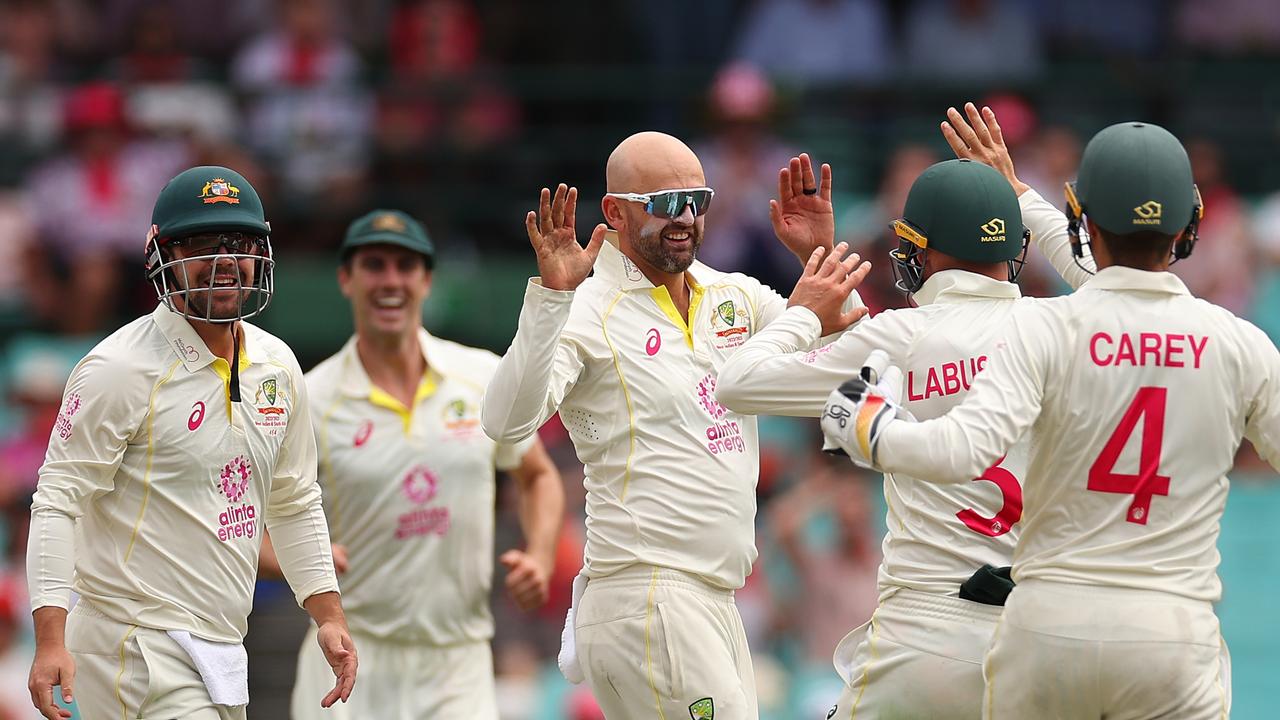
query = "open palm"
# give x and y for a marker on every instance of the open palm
(803, 221)
(562, 262)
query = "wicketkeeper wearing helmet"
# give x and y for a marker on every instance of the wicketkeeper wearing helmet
(1134, 397)
(181, 435)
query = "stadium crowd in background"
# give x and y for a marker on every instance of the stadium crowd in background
(457, 110)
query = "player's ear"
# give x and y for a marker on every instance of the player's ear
(344, 277)
(611, 208)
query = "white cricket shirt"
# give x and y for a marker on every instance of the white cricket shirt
(169, 482)
(938, 535)
(410, 493)
(670, 472)
(1136, 396)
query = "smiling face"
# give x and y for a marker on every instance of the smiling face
(645, 163)
(386, 285)
(230, 278)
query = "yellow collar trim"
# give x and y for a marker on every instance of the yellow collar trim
(383, 399)
(663, 298)
(223, 368)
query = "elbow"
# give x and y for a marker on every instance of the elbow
(731, 390)
(498, 426)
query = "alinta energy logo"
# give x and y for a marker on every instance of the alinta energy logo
(1148, 213)
(723, 435)
(237, 520)
(993, 230)
(63, 426)
(419, 486)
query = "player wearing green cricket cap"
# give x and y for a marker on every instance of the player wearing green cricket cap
(1134, 396)
(961, 242)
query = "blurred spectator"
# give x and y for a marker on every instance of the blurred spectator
(1046, 162)
(865, 225)
(309, 118)
(197, 27)
(17, 237)
(741, 162)
(93, 208)
(1228, 26)
(1101, 28)
(1221, 270)
(154, 53)
(30, 117)
(837, 590)
(818, 41)
(15, 651)
(972, 41)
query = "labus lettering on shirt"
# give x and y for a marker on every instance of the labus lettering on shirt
(946, 379)
(1149, 349)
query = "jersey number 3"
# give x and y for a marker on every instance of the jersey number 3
(1010, 509)
(1148, 405)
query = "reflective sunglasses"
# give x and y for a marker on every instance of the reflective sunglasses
(236, 243)
(670, 203)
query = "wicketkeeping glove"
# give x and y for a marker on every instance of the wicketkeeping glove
(860, 409)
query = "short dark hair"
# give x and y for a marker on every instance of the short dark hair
(1143, 250)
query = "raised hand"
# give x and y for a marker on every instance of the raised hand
(979, 139)
(562, 262)
(826, 283)
(801, 215)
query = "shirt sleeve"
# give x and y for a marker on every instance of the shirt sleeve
(1004, 402)
(539, 369)
(101, 410)
(1049, 232)
(1262, 422)
(510, 455)
(775, 372)
(295, 513)
(771, 306)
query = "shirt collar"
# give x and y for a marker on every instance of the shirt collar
(1119, 277)
(950, 286)
(617, 270)
(355, 380)
(187, 345)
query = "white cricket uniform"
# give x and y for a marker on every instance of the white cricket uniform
(1136, 396)
(670, 474)
(153, 495)
(410, 492)
(937, 535)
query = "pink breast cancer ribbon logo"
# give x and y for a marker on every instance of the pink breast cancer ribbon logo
(234, 479)
(419, 485)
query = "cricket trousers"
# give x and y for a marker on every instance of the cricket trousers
(127, 672)
(661, 643)
(1077, 652)
(918, 658)
(400, 681)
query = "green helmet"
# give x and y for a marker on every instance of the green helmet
(1135, 177)
(963, 209)
(214, 209)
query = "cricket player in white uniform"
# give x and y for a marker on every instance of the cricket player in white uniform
(630, 359)
(181, 435)
(961, 243)
(409, 489)
(1136, 396)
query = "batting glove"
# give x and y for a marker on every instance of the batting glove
(860, 409)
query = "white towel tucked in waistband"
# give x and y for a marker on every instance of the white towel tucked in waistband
(224, 667)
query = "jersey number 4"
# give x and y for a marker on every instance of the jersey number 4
(1010, 508)
(1148, 405)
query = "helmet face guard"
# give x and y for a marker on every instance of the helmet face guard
(913, 247)
(1075, 212)
(163, 270)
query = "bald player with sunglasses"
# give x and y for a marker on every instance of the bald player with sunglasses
(181, 436)
(630, 358)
